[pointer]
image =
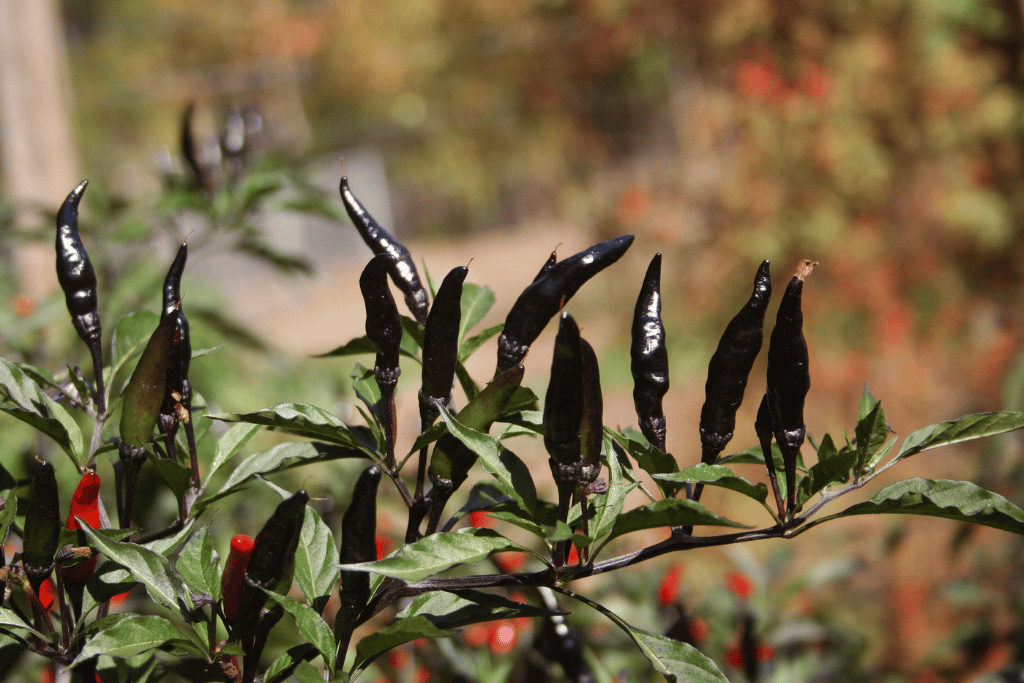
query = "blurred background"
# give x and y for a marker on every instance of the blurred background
(883, 138)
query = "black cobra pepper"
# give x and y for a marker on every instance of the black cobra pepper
(441, 345)
(730, 367)
(649, 357)
(42, 525)
(548, 265)
(788, 377)
(358, 544)
(273, 556)
(78, 280)
(548, 293)
(763, 429)
(177, 403)
(402, 269)
(384, 328)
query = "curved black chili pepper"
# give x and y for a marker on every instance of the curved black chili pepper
(548, 265)
(273, 556)
(763, 429)
(42, 525)
(592, 422)
(358, 544)
(548, 293)
(402, 269)
(788, 377)
(384, 328)
(730, 367)
(181, 355)
(78, 280)
(649, 357)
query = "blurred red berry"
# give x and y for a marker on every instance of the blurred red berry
(741, 585)
(734, 655)
(23, 305)
(510, 563)
(668, 591)
(476, 635)
(399, 657)
(574, 556)
(502, 636)
(764, 652)
(481, 520)
(758, 79)
(815, 81)
(699, 630)
(423, 674)
(47, 592)
(46, 674)
(383, 546)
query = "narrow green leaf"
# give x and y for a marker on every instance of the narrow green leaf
(355, 347)
(676, 661)
(511, 473)
(397, 633)
(33, 406)
(364, 383)
(9, 619)
(199, 565)
(476, 302)
(871, 433)
(130, 336)
(149, 568)
(833, 466)
(177, 477)
(276, 673)
(648, 458)
(311, 625)
(8, 501)
(302, 420)
(881, 453)
(963, 429)
(958, 500)
(233, 440)
(608, 505)
(456, 609)
(438, 553)
(314, 569)
(718, 475)
(126, 635)
(668, 512)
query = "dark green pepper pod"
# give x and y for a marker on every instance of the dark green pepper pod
(592, 423)
(788, 376)
(730, 367)
(144, 394)
(441, 345)
(402, 268)
(548, 293)
(273, 555)
(649, 357)
(42, 525)
(358, 544)
(77, 279)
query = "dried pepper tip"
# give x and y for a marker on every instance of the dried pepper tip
(805, 268)
(649, 357)
(84, 506)
(548, 293)
(403, 270)
(234, 572)
(42, 525)
(548, 265)
(730, 367)
(441, 340)
(563, 403)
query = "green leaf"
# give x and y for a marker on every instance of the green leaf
(311, 625)
(289, 659)
(8, 501)
(456, 609)
(281, 456)
(177, 477)
(108, 581)
(149, 568)
(676, 661)
(511, 473)
(364, 383)
(752, 456)
(871, 432)
(963, 429)
(608, 505)
(302, 420)
(648, 458)
(145, 391)
(832, 466)
(130, 335)
(314, 571)
(469, 347)
(438, 553)
(476, 302)
(718, 475)
(356, 347)
(958, 500)
(10, 620)
(233, 440)
(126, 635)
(34, 407)
(199, 565)
(397, 633)
(668, 512)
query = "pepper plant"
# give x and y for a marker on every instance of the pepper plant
(346, 603)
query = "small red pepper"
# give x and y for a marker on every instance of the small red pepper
(234, 573)
(85, 505)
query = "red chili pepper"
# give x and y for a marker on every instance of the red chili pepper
(84, 505)
(234, 573)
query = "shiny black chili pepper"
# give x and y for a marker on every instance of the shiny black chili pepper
(548, 293)
(273, 556)
(358, 544)
(402, 269)
(78, 280)
(649, 357)
(42, 525)
(441, 345)
(548, 265)
(763, 429)
(788, 377)
(177, 403)
(592, 422)
(384, 328)
(729, 369)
